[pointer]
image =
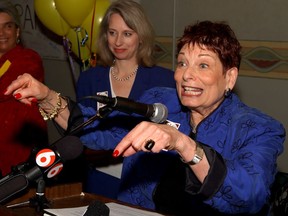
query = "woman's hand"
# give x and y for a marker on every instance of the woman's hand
(148, 136)
(164, 138)
(27, 89)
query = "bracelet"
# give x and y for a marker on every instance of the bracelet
(55, 111)
(199, 153)
(65, 106)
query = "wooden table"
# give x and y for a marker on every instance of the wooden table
(60, 196)
(65, 202)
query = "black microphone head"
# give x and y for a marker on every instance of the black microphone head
(12, 185)
(69, 147)
(50, 161)
(97, 208)
(105, 100)
(160, 113)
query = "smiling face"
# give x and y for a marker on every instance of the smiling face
(200, 79)
(122, 40)
(9, 32)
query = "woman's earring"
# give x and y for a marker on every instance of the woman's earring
(227, 92)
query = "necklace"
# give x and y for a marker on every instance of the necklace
(123, 79)
(193, 127)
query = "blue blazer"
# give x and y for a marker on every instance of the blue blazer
(96, 80)
(243, 141)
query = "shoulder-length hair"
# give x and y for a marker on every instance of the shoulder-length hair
(135, 18)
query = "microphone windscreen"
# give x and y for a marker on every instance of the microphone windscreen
(160, 113)
(69, 147)
(97, 208)
(12, 185)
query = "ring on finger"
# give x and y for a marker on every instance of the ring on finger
(149, 144)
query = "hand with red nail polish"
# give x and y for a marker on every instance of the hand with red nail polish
(116, 153)
(17, 96)
(34, 100)
(27, 89)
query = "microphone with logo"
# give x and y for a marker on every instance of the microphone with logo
(156, 112)
(48, 163)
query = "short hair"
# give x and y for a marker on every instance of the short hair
(215, 36)
(7, 7)
(136, 19)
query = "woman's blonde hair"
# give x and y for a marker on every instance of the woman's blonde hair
(136, 19)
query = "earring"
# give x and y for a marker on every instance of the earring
(227, 92)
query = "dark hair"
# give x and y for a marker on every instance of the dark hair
(7, 7)
(134, 17)
(215, 36)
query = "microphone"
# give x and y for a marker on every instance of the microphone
(49, 163)
(97, 208)
(156, 112)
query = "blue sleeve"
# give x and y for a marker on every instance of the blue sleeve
(105, 133)
(251, 164)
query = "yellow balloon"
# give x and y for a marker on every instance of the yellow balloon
(74, 11)
(92, 22)
(49, 16)
(77, 38)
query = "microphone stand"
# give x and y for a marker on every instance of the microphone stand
(39, 201)
(101, 113)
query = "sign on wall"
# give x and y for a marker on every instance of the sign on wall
(35, 36)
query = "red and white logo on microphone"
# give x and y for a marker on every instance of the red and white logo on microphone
(46, 158)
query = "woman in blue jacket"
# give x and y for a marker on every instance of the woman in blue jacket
(213, 156)
(125, 67)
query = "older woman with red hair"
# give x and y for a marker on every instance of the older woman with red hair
(214, 156)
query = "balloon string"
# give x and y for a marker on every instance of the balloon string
(92, 25)
(80, 44)
(77, 30)
(67, 45)
(86, 37)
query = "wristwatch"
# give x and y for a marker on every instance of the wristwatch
(199, 153)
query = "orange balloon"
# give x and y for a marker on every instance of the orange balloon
(49, 16)
(92, 22)
(74, 11)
